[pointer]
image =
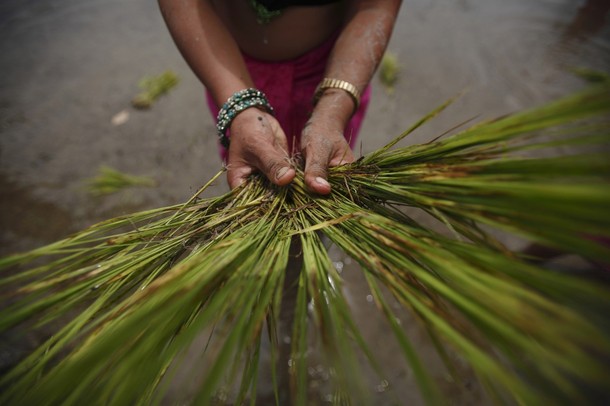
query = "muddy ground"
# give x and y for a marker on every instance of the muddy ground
(68, 67)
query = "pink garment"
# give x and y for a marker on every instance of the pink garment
(290, 85)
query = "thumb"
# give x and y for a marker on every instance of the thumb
(276, 167)
(316, 173)
(277, 170)
(273, 160)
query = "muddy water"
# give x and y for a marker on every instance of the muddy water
(68, 67)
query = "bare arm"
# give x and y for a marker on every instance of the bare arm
(354, 59)
(207, 46)
(257, 141)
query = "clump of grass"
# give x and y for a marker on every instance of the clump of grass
(153, 87)
(109, 181)
(136, 291)
(389, 70)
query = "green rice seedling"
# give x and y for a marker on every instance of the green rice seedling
(109, 181)
(389, 70)
(134, 296)
(153, 87)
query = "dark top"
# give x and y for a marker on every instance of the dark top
(274, 5)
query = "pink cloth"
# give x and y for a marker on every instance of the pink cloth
(290, 85)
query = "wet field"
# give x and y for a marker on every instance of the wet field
(68, 67)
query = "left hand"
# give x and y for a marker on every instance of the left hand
(323, 145)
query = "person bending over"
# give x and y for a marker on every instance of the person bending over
(283, 77)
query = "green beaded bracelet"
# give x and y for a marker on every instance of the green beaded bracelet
(237, 103)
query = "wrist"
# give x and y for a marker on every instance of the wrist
(237, 103)
(247, 118)
(334, 106)
(331, 83)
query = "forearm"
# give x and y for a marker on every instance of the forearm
(207, 46)
(357, 53)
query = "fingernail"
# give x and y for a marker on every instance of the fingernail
(281, 172)
(322, 181)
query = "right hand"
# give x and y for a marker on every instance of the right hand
(258, 143)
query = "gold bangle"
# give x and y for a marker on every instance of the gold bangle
(329, 83)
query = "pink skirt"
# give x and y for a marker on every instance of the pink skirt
(290, 86)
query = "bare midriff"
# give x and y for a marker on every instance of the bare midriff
(293, 33)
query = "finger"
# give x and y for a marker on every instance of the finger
(342, 158)
(272, 163)
(236, 175)
(272, 159)
(276, 168)
(316, 164)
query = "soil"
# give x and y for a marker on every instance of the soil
(68, 67)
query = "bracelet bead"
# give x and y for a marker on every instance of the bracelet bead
(235, 104)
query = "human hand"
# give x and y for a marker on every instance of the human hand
(323, 145)
(258, 143)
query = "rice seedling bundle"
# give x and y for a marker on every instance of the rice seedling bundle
(133, 293)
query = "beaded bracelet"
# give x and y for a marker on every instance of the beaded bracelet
(238, 102)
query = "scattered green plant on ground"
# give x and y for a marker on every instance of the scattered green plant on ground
(389, 70)
(153, 87)
(109, 181)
